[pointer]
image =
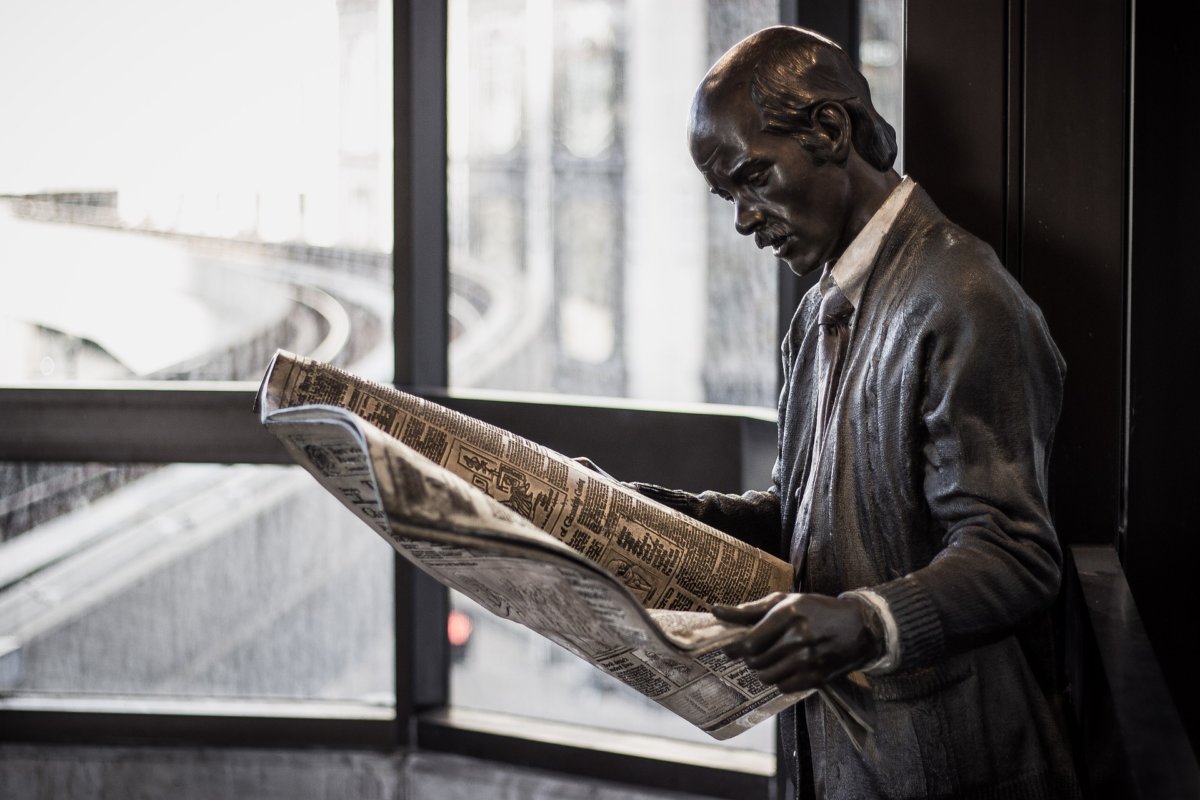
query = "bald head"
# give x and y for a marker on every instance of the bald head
(788, 73)
(782, 127)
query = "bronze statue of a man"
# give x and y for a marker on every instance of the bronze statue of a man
(921, 392)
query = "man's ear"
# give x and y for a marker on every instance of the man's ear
(831, 121)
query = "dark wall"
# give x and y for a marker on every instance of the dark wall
(956, 113)
(1160, 546)
(1072, 240)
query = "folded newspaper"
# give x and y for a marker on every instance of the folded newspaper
(533, 536)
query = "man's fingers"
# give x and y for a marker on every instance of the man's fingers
(800, 640)
(793, 667)
(799, 664)
(748, 613)
(780, 627)
(782, 649)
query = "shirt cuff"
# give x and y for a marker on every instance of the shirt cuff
(891, 655)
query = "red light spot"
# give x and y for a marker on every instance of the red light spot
(458, 628)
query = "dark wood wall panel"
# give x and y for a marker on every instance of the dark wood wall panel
(956, 109)
(1073, 243)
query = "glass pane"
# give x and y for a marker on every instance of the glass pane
(185, 187)
(587, 256)
(190, 580)
(881, 53)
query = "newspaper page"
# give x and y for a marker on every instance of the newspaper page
(472, 543)
(531, 535)
(665, 558)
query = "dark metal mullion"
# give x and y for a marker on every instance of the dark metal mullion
(142, 423)
(420, 260)
(421, 319)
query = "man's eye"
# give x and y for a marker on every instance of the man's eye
(759, 178)
(723, 195)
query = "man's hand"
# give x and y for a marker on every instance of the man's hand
(800, 641)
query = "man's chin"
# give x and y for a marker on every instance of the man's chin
(799, 266)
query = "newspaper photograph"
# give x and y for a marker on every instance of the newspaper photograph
(533, 536)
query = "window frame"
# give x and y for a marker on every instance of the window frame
(149, 422)
(210, 422)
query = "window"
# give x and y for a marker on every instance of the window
(587, 257)
(881, 56)
(221, 177)
(185, 189)
(191, 581)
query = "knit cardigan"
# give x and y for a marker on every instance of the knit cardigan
(932, 492)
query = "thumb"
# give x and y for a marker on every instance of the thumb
(747, 613)
(586, 462)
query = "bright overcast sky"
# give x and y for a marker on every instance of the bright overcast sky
(191, 94)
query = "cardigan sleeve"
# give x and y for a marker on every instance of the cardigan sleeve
(992, 395)
(752, 516)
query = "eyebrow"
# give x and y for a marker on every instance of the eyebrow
(747, 166)
(707, 165)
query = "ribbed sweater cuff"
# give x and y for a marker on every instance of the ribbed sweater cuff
(921, 637)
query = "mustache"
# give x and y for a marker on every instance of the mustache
(770, 234)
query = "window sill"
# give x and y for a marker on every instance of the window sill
(639, 759)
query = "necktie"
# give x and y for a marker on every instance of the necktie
(833, 326)
(834, 322)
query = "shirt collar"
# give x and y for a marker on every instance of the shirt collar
(853, 267)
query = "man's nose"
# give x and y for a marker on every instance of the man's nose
(746, 217)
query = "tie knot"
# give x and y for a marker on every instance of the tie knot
(836, 308)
